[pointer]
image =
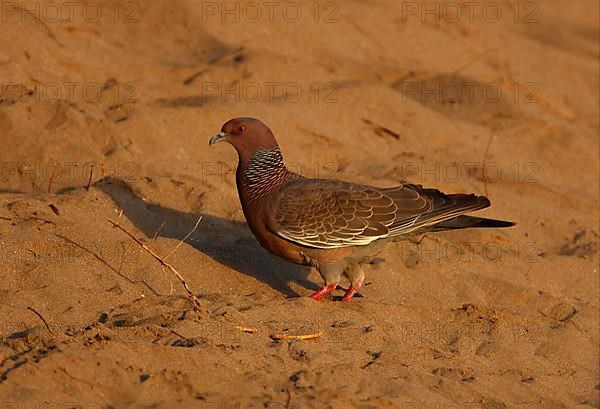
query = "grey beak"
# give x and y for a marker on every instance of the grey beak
(217, 138)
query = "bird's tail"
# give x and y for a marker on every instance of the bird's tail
(447, 213)
(463, 222)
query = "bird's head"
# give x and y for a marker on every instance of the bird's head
(246, 135)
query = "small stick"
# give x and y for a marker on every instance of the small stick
(43, 320)
(485, 157)
(38, 218)
(158, 230)
(185, 238)
(191, 295)
(39, 21)
(247, 329)
(302, 337)
(170, 281)
(90, 179)
(51, 180)
(178, 334)
(380, 129)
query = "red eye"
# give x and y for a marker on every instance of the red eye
(240, 129)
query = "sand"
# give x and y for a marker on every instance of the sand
(108, 117)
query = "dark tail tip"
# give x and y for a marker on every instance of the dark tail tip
(495, 223)
(463, 222)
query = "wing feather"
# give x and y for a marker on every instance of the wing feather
(332, 214)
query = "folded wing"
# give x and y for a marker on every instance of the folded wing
(332, 214)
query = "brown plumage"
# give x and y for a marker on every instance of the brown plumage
(332, 225)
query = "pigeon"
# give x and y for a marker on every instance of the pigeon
(333, 225)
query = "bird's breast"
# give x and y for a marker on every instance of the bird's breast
(256, 219)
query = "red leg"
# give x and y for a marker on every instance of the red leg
(353, 289)
(323, 292)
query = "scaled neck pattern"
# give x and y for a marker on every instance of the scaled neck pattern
(264, 173)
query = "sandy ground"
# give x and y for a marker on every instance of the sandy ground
(374, 92)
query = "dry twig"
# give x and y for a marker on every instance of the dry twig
(191, 295)
(247, 329)
(43, 320)
(38, 20)
(90, 179)
(51, 180)
(159, 230)
(302, 337)
(185, 238)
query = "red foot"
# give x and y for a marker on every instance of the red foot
(352, 290)
(323, 292)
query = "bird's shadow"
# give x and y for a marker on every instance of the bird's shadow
(228, 242)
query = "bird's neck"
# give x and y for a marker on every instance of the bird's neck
(259, 174)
